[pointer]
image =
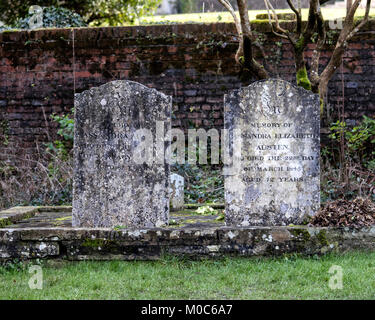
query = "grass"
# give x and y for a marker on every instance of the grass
(210, 17)
(171, 278)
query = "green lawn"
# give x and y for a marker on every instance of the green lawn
(169, 278)
(210, 17)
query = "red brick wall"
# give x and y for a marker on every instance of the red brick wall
(193, 63)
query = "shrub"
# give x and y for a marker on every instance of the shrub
(348, 167)
(359, 140)
(66, 131)
(203, 183)
(44, 179)
(4, 27)
(54, 18)
(97, 12)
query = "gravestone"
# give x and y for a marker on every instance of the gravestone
(177, 191)
(276, 178)
(111, 186)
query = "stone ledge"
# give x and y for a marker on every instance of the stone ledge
(16, 214)
(150, 244)
(13, 215)
(171, 31)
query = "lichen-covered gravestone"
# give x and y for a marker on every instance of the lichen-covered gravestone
(276, 180)
(177, 191)
(112, 188)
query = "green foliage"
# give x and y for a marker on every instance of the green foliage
(206, 211)
(12, 266)
(348, 166)
(4, 27)
(203, 184)
(48, 181)
(96, 12)
(53, 18)
(66, 130)
(360, 140)
(66, 123)
(287, 277)
(13, 10)
(300, 42)
(118, 12)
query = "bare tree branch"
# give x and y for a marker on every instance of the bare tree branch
(249, 62)
(314, 73)
(299, 39)
(311, 21)
(244, 55)
(237, 23)
(244, 16)
(229, 7)
(346, 33)
(284, 32)
(298, 15)
(363, 22)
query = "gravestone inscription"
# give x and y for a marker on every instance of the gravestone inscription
(111, 186)
(276, 180)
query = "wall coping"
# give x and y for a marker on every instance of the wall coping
(199, 30)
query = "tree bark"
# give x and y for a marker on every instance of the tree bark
(250, 65)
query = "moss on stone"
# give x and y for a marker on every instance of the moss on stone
(60, 221)
(184, 212)
(190, 221)
(301, 234)
(96, 243)
(280, 16)
(119, 227)
(54, 208)
(174, 226)
(322, 237)
(64, 218)
(260, 22)
(11, 30)
(4, 222)
(28, 215)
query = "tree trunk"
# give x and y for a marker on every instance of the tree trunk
(301, 72)
(250, 66)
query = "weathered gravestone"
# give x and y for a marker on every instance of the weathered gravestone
(110, 188)
(276, 180)
(177, 191)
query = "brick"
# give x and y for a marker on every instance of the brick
(170, 64)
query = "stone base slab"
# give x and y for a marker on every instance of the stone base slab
(149, 244)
